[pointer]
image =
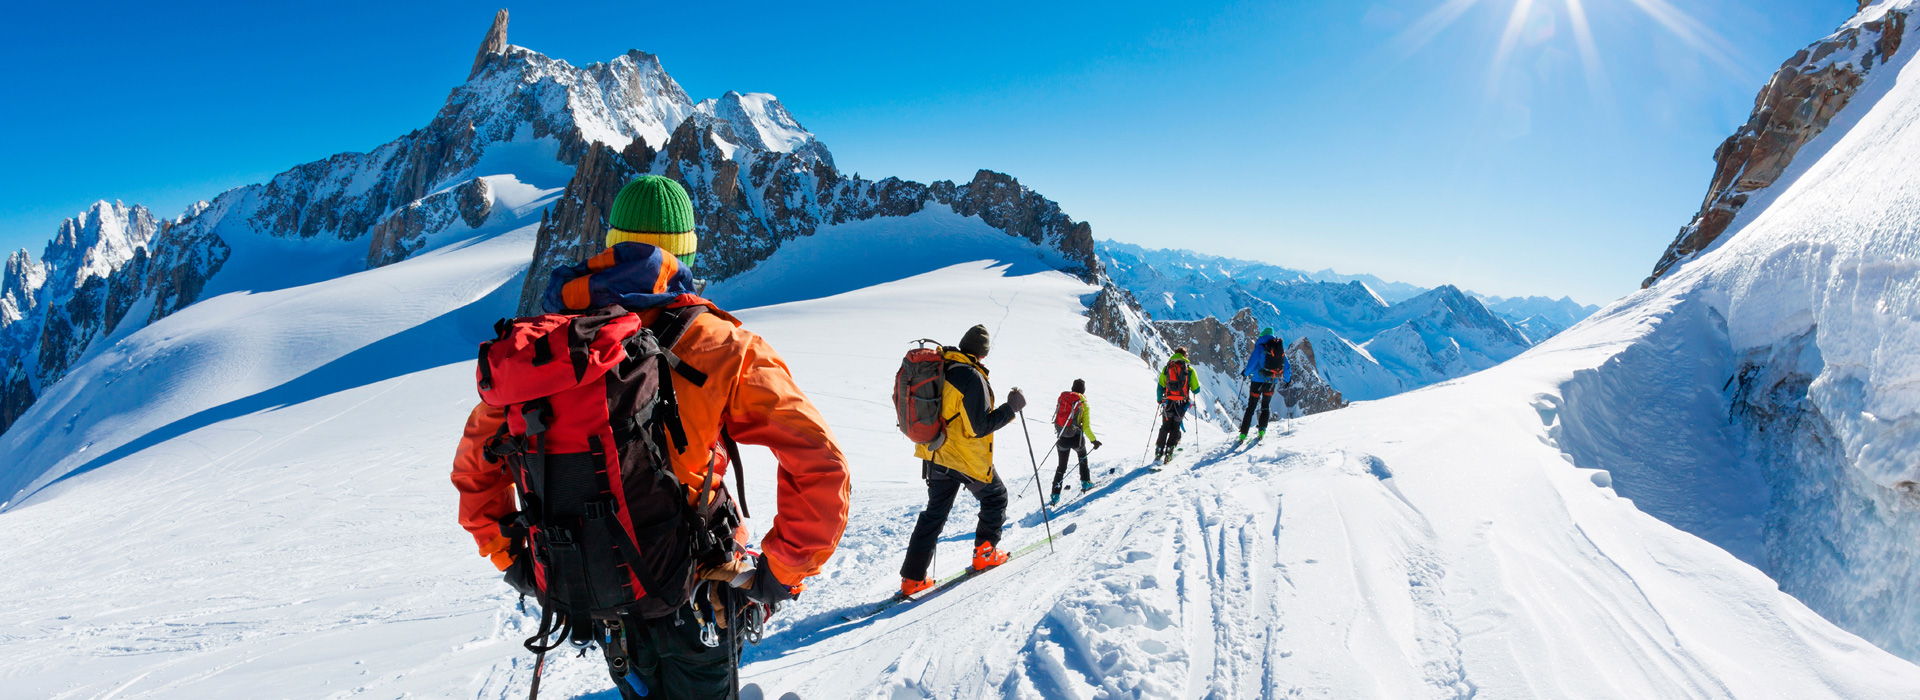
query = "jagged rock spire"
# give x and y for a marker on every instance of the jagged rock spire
(495, 43)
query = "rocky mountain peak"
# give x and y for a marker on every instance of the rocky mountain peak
(758, 123)
(494, 44)
(20, 283)
(1796, 105)
(98, 241)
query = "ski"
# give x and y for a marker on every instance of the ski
(951, 579)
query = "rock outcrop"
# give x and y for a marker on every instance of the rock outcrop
(494, 44)
(1220, 349)
(749, 202)
(757, 177)
(51, 310)
(405, 231)
(1309, 391)
(1796, 105)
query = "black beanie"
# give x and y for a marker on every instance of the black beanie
(975, 341)
(1079, 386)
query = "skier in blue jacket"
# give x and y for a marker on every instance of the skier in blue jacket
(1265, 365)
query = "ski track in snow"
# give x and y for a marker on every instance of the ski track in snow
(1395, 549)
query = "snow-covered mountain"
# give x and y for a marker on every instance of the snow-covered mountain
(1783, 366)
(1367, 346)
(523, 126)
(250, 491)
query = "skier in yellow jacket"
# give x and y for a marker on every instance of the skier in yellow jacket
(964, 459)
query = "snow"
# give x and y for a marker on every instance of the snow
(1701, 491)
(1817, 282)
(1366, 347)
(758, 121)
(260, 501)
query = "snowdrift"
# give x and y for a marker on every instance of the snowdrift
(1776, 411)
(298, 535)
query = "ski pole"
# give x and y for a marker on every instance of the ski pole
(1150, 429)
(1044, 514)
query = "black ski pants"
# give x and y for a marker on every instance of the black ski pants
(942, 485)
(1066, 444)
(670, 660)
(1173, 414)
(1261, 394)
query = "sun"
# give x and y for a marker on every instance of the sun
(1534, 21)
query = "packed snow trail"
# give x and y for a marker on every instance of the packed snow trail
(302, 538)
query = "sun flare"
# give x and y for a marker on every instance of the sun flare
(1535, 22)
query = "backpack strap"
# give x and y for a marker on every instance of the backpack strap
(739, 470)
(669, 328)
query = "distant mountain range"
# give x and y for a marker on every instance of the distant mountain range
(523, 126)
(1368, 344)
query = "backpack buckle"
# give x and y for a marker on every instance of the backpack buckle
(595, 510)
(503, 446)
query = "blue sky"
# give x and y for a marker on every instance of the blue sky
(1309, 133)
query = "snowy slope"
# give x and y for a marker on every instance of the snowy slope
(299, 535)
(248, 497)
(1813, 297)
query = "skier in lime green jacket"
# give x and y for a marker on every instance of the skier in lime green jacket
(1073, 422)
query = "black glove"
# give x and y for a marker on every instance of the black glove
(766, 589)
(1096, 444)
(1017, 400)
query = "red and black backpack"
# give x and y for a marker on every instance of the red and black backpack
(1273, 356)
(1065, 409)
(1175, 379)
(606, 529)
(919, 395)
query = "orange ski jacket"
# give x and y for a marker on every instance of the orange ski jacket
(758, 403)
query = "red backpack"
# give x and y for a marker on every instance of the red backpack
(919, 395)
(1176, 380)
(592, 424)
(1063, 412)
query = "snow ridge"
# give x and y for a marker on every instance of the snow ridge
(1810, 359)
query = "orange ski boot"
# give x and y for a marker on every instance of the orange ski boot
(910, 587)
(987, 556)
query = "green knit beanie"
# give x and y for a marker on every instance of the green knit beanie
(656, 211)
(1266, 331)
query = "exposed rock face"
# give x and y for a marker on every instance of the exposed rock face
(1208, 342)
(20, 284)
(1793, 108)
(404, 232)
(1221, 349)
(185, 255)
(494, 44)
(748, 202)
(51, 310)
(1309, 391)
(757, 177)
(1115, 317)
(1005, 204)
(574, 228)
(80, 261)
